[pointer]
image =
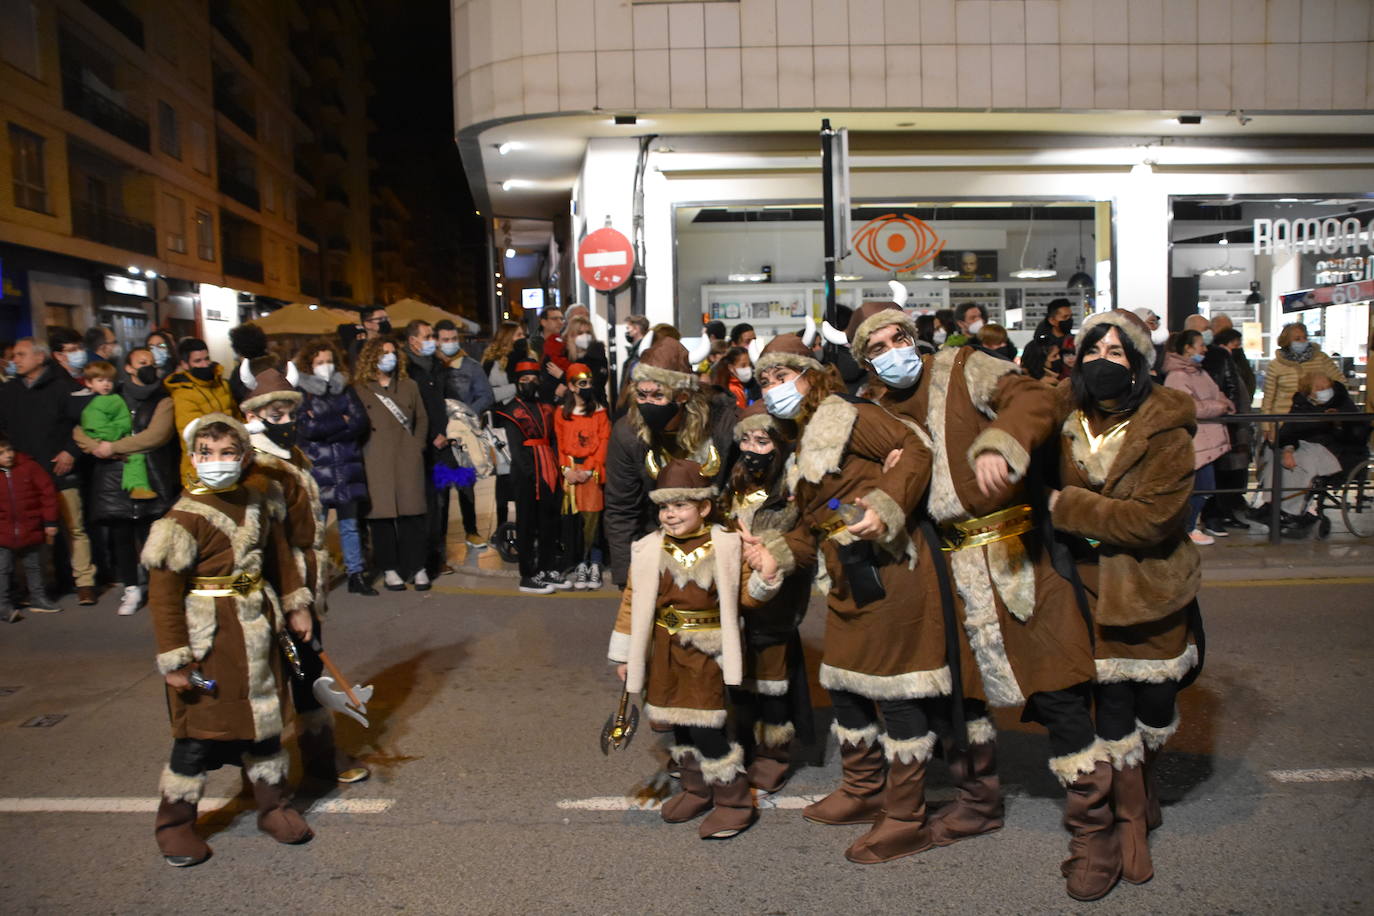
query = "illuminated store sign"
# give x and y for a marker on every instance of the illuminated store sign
(1330, 236)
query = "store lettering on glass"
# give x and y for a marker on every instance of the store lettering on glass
(1341, 270)
(1330, 235)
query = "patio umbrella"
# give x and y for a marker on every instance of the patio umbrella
(404, 311)
(299, 318)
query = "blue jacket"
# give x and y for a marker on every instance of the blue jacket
(465, 381)
(333, 444)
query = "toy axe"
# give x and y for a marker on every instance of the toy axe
(352, 702)
(621, 726)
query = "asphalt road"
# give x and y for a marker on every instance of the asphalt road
(485, 719)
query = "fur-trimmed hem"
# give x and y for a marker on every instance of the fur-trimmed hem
(765, 688)
(298, 600)
(1069, 767)
(1125, 752)
(175, 787)
(760, 590)
(872, 323)
(908, 750)
(981, 731)
(943, 502)
(790, 360)
(270, 769)
(676, 381)
(855, 736)
(776, 544)
(315, 721)
(676, 494)
(263, 444)
(1002, 443)
(889, 513)
(909, 685)
(721, 770)
(681, 715)
(619, 649)
(1146, 670)
(170, 661)
(767, 734)
(1154, 738)
(678, 752)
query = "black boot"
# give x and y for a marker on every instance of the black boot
(358, 584)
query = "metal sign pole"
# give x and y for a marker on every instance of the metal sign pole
(828, 216)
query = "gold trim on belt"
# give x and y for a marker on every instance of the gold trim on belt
(673, 620)
(979, 532)
(226, 586)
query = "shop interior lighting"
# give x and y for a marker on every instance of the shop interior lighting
(1081, 279)
(133, 270)
(510, 184)
(848, 278)
(1255, 297)
(150, 274)
(1037, 272)
(511, 252)
(1222, 270)
(508, 146)
(749, 278)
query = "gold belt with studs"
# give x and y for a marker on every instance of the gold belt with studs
(226, 586)
(673, 620)
(988, 529)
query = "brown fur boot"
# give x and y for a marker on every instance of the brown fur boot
(1154, 740)
(733, 811)
(1094, 863)
(1131, 805)
(772, 756)
(175, 825)
(902, 830)
(858, 800)
(276, 817)
(977, 806)
(695, 798)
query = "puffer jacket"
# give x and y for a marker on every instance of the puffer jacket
(1212, 440)
(153, 437)
(331, 427)
(1286, 371)
(28, 501)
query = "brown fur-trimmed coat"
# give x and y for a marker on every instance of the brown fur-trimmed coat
(304, 521)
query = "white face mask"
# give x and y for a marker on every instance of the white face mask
(1323, 396)
(975, 326)
(783, 401)
(940, 336)
(583, 341)
(1159, 336)
(219, 475)
(744, 373)
(324, 370)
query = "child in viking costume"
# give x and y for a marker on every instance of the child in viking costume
(528, 424)
(884, 638)
(282, 470)
(216, 563)
(1126, 469)
(774, 692)
(582, 427)
(1023, 639)
(678, 633)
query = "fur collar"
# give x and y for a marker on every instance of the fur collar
(982, 372)
(264, 444)
(313, 384)
(1164, 410)
(825, 437)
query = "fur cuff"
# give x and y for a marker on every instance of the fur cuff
(1154, 738)
(778, 548)
(908, 750)
(722, 770)
(1003, 443)
(765, 688)
(270, 769)
(298, 600)
(909, 686)
(760, 590)
(1146, 670)
(889, 513)
(167, 662)
(678, 752)
(1126, 752)
(315, 721)
(176, 787)
(169, 546)
(619, 650)
(681, 715)
(855, 736)
(676, 494)
(1069, 767)
(981, 731)
(769, 735)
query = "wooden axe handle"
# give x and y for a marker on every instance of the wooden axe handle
(338, 677)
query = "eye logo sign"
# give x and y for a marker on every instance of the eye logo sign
(897, 242)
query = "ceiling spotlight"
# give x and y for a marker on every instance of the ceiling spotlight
(150, 274)
(508, 146)
(939, 273)
(511, 252)
(847, 278)
(313, 306)
(133, 270)
(1034, 273)
(512, 183)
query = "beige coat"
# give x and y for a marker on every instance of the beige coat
(393, 455)
(1282, 377)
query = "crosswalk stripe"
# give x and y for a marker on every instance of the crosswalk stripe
(1327, 774)
(149, 805)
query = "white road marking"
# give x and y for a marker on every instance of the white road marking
(149, 805)
(1329, 774)
(623, 803)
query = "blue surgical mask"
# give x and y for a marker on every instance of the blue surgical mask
(783, 401)
(899, 367)
(450, 348)
(427, 347)
(77, 360)
(11, 370)
(160, 355)
(387, 363)
(1207, 337)
(1196, 357)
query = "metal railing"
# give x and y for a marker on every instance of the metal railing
(99, 224)
(109, 116)
(225, 26)
(239, 189)
(247, 268)
(1275, 488)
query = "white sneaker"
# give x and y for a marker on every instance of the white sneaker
(1201, 539)
(132, 601)
(393, 581)
(421, 581)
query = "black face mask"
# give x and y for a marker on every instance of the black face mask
(1106, 380)
(658, 416)
(203, 373)
(755, 462)
(146, 375)
(384, 326)
(527, 390)
(282, 435)
(1066, 327)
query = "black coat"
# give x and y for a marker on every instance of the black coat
(1038, 351)
(39, 419)
(108, 501)
(430, 381)
(1348, 442)
(331, 426)
(1219, 365)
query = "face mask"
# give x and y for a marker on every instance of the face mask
(115, 352)
(1207, 337)
(975, 326)
(11, 370)
(282, 435)
(203, 373)
(324, 371)
(387, 363)
(77, 360)
(583, 341)
(1159, 336)
(1105, 380)
(939, 337)
(755, 462)
(658, 416)
(1299, 347)
(427, 347)
(1066, 326)
(1196, 357)
(783, 401)
(160, 355)
(219, 475)
(1323, 396)
(899, 367)
(527, 390)
(450, 348)
(146, 375)
(744, 373)
(384, 326)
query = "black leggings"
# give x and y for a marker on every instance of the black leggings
(504, 494)
(902, 719)
(1119, 705)
(940, 711)
(312, 666)
(193, 756)
(1066, 716)
(710, 743)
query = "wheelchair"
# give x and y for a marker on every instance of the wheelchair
(1349, 493)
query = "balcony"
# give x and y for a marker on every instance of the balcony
(119, 17)
(225, 26)
(226, 106)
(340, 289)
(336, 195)
(246, 268)
(339, 243)
(114, 229)
(240, 190)
(109, 116)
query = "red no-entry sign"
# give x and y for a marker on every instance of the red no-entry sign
(605, 259)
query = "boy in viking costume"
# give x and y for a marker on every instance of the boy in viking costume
(678, 633)
(281, 469)
(1023, 638)
(216, 563)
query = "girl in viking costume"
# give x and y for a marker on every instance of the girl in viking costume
(884, 640)
(216, 563)
(756, 500)
(678, 633)
(1126, 468)
(582, 429)
(282, 470)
